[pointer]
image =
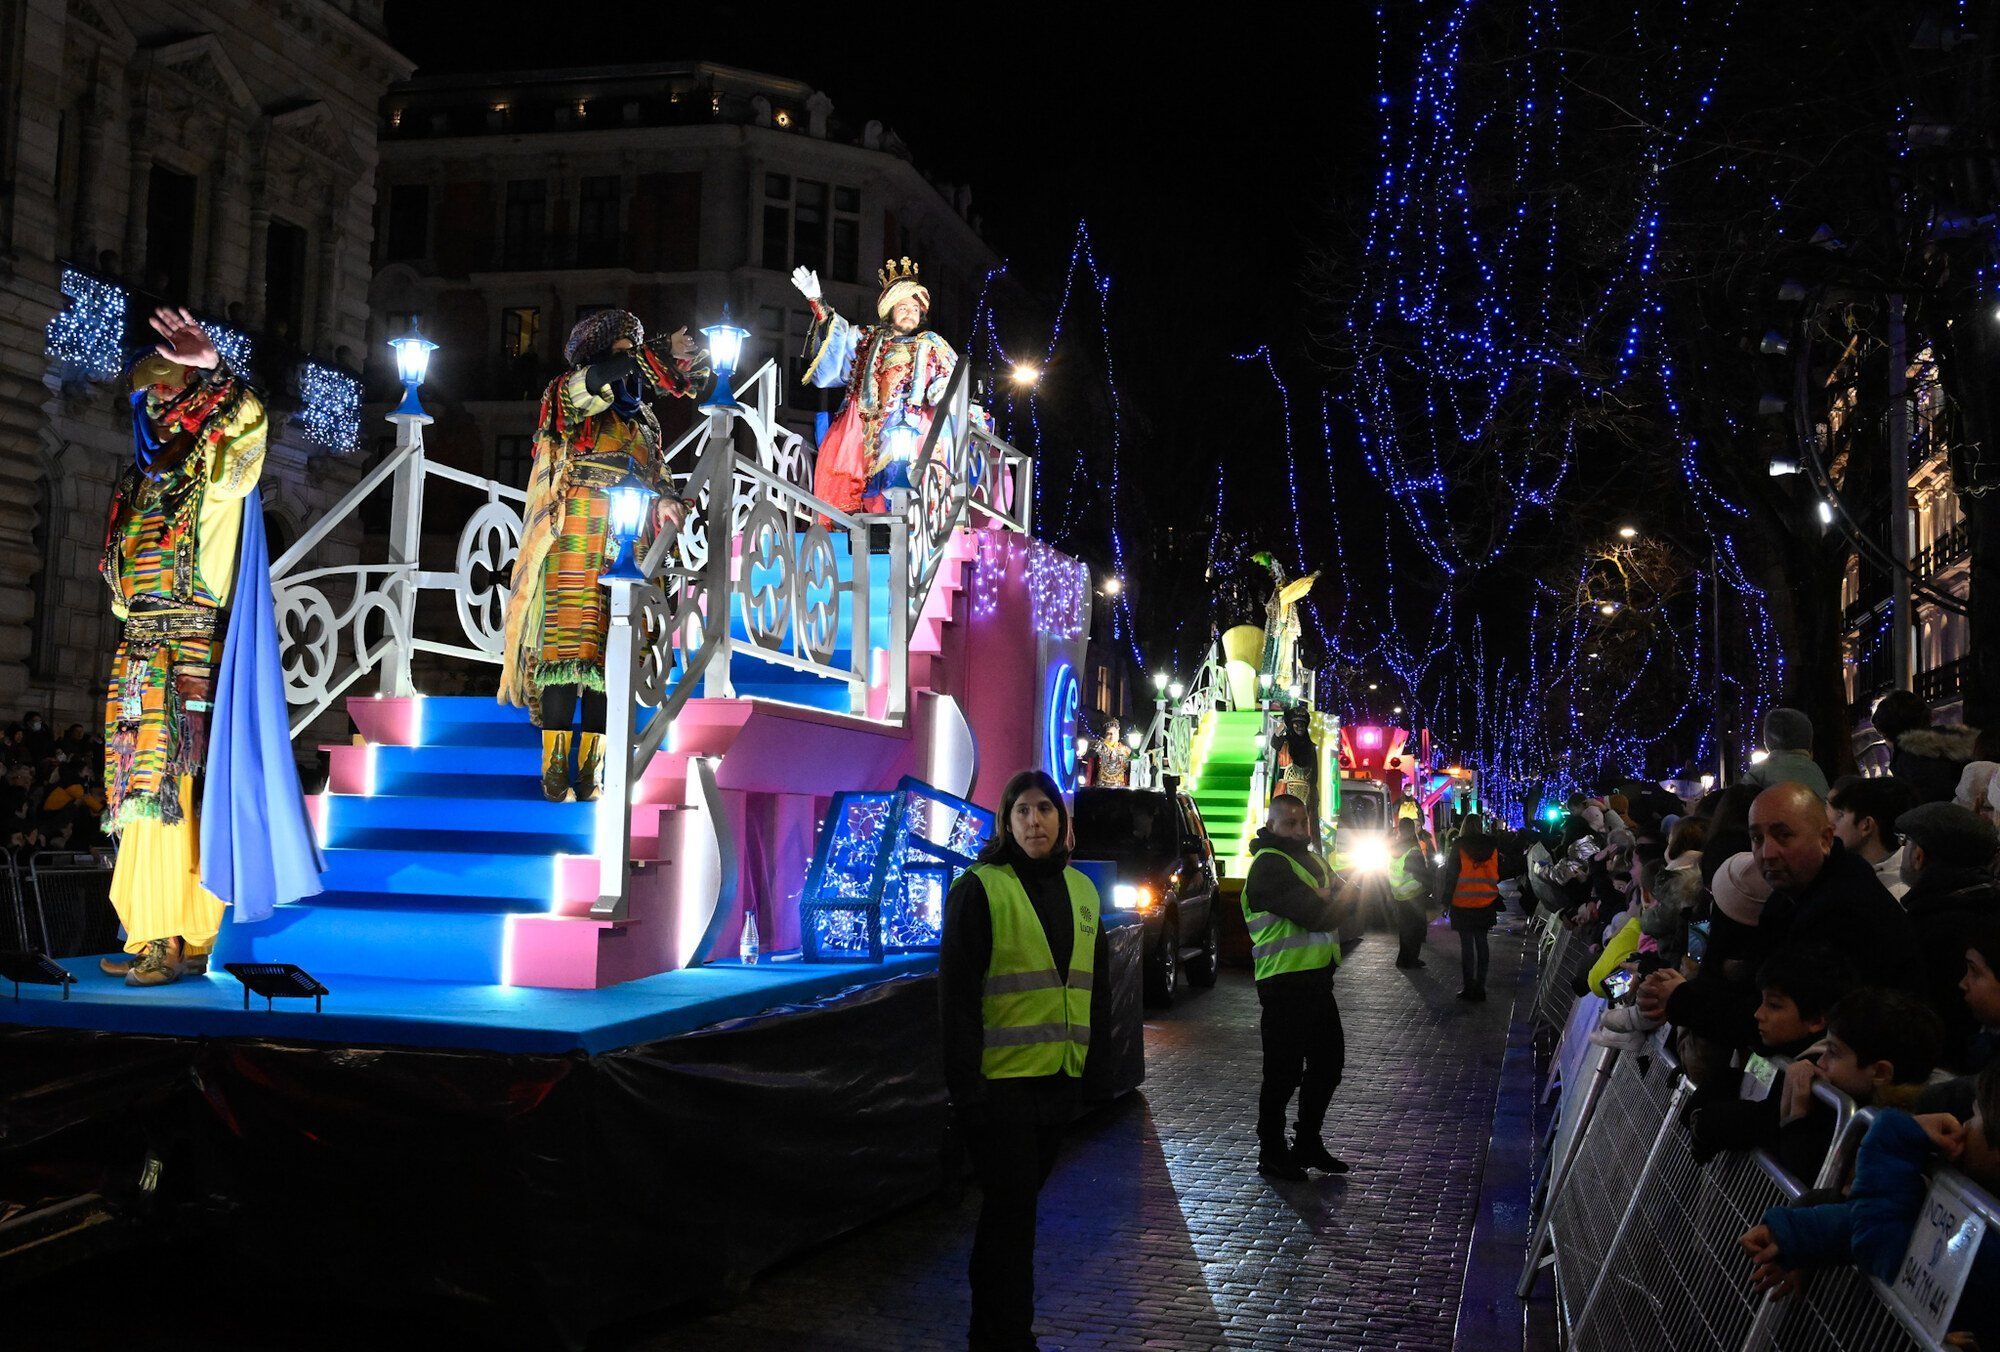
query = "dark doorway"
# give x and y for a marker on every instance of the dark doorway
(285, 283)
(169, 233)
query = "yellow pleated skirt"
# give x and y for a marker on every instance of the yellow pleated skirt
(156, 887)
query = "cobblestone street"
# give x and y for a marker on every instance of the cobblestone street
(1156, 1231)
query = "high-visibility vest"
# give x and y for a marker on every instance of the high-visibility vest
(1404, 885)
(1279, 945)
(1037, 1023)
(1478, 884)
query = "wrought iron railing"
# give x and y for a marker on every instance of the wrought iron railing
(1944, 681)
(1944, 551)
(773, 569)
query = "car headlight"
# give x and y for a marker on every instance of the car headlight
(1371, 856)
(1133, 897)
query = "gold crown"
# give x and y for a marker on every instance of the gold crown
(897, 270)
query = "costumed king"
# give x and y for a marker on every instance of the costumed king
(1290, 910)
(895, 374)
(597, 424)
(200, 786)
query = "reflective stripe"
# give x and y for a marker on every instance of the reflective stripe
(1038, 1033)
(1079, 979)
(1305, 939)
(1262, 920)
(1022, 981)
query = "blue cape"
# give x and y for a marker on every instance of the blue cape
(257, 844)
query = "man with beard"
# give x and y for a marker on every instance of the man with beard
(895, 374)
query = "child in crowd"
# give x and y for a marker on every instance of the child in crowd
(1871, 1227)
(1981, 987)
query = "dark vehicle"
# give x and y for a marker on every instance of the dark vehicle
(1166, 874)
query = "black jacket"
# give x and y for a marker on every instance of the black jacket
(1846, 909)
(1279, 890)
(1945, 905)
(1930, 760)
(964, 950)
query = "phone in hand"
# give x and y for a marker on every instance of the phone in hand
(1619, 984)
(1697, 942)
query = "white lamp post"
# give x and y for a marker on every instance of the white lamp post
(725, 352)
(406, 501)
(413, 363)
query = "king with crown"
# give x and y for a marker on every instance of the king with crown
(895, 373)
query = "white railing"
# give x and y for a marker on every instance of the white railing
(775, 571)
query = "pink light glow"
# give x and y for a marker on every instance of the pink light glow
(1368, 737)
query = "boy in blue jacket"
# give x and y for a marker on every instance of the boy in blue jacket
(1872, 1227)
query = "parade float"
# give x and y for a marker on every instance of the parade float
(597, 1056)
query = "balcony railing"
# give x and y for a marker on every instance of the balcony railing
(1943, 552)
(1944, 681)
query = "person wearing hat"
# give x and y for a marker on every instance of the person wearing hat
(190, 580)
(895, 374)
(597, 425)
(1788, 736)
(1948, 863)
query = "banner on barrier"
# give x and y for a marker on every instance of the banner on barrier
(1940, 1257)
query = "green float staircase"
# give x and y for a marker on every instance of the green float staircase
(1222, 760)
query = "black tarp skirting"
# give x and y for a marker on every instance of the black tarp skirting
(579, 1189)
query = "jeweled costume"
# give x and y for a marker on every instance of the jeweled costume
(1281, 623)
(596, 424)
(885, 373)
(199, 784)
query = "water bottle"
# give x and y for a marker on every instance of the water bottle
(746, 947)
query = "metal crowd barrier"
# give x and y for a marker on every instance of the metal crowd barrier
(13, 915)
(71, 895)
(1564, 966)
(1644, 1241)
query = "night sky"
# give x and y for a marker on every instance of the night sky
(1205, 160)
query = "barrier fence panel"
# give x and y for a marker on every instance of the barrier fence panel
(1555, 987)
(13, 914)
(70, 895)
(1605, 1172)
(1574, 1111)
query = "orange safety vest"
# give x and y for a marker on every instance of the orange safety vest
(1478, 884)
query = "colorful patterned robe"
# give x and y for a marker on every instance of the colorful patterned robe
(170, 559)
(558, 615)
(881, 370)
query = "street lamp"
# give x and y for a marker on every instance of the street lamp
(1135, 739)
(1608, 608)
(413, 363)
(1175, 690)
(725, 350)
(1025, 375)
(1628, 532)
(1113, 585)
(631, 498)
(1159, 680)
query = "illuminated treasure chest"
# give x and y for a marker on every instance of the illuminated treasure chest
(881, 867)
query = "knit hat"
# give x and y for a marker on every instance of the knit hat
(595, 333)
(1974, 780)
(1950, 834)
(1787, 730)
(1740, 890)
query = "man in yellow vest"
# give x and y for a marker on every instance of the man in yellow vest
(1412, 879)
(1470, 885)
(1289, 909)
(1022, 943)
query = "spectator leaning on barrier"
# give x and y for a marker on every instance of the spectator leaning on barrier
(1980, 988)
(1864, 811)
(1872, 1226)
(1788, 735)
(1947, 862)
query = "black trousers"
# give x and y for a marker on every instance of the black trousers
(1305, 1050)
(1412, 919)
(1473, 956)
(559, 708)
(1012, 1160)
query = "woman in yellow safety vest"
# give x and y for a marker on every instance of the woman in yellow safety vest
(1470, 885)
(1022, 943)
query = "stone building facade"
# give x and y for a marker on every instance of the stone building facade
(510, 204)
(220, 156)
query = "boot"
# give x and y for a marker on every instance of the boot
(555, 766)
(193, 963)
(589, 766)
(1310, 1152)
(159, 965)
(119, 965)
(1277, 1162)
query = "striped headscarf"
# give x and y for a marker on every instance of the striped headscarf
(595, 333)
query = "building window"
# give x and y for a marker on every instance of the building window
(169, 232)
(520, 330)
(409, 227)
(597, 221)
(513, 458)
(285, 283)
(524, 227)
(810, 224)
(1104, 690)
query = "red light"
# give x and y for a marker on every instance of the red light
(1368, 737)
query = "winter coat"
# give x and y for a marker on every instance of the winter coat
(1477, 849)
(1930, 760)
(1944, 906)
(1788, 767)
(1872, 1228)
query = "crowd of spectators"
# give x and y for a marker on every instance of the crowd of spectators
(1787, 932)
(51, 787)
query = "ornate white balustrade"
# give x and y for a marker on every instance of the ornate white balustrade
(775, 569)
